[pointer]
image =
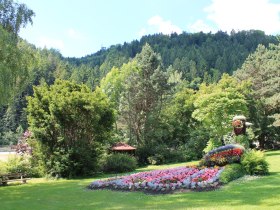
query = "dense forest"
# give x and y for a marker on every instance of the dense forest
(171, 96)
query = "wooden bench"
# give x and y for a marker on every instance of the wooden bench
(12, 177)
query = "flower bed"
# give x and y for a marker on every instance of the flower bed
(223, 155)
(164, 180)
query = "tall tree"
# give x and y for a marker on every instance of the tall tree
(262, 69)
(13, 68)
(216, 104)
(14, 16)
(142, 97)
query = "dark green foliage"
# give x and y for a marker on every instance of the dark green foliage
(254, 163)
(70, 123)
(143, 153)
(141, 98)
(232, 172)
(162, 154)
(192, 54)
(262, 69)
(120, 163)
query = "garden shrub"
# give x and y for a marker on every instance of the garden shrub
(232, 172)
(223, 155)
(156, 159)
(143, 153)
(175, 156)
(21, 164)
(254, 163)
(72, 142)
(160, 154)
(3, 168)
(120, 163)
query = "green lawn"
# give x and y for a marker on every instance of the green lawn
(246, 193)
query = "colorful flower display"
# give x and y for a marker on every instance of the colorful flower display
(164, 180)
(223, 155)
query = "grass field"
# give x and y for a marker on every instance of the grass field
(246, 193)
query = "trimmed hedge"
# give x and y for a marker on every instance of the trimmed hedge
(232, 172)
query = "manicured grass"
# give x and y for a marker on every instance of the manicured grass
(245, 193)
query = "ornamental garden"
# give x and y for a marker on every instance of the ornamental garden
(218, 167)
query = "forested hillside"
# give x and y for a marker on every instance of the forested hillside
(196, 55)
(171, 94)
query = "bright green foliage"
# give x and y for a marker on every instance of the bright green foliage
(242, 140)
(3, 168)
(13, 57)
(216, 104)
(21, 164)
(13, 66)
(13, 15)
(254, 163)
(116, 80)
(211, 144)
(120, 163)
(232, 172)
(71, 123)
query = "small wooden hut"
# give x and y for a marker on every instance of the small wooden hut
(123, 148)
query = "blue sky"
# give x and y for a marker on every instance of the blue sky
(81, 27)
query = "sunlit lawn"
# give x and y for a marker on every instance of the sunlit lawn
(247, 193)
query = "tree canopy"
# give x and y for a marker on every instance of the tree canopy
(70, 124)
(14, 16)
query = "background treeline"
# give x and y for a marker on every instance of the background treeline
(172, 95)
(197, 57)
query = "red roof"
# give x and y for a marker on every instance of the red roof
(122, 146)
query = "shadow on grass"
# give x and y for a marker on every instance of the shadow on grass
(271, 153)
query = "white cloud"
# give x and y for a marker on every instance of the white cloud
(157, 25)
(50, 43)
(163, 26)
(200, 25)
(74, 34)
(245, 15)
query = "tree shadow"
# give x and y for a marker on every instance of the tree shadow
(272, 154)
